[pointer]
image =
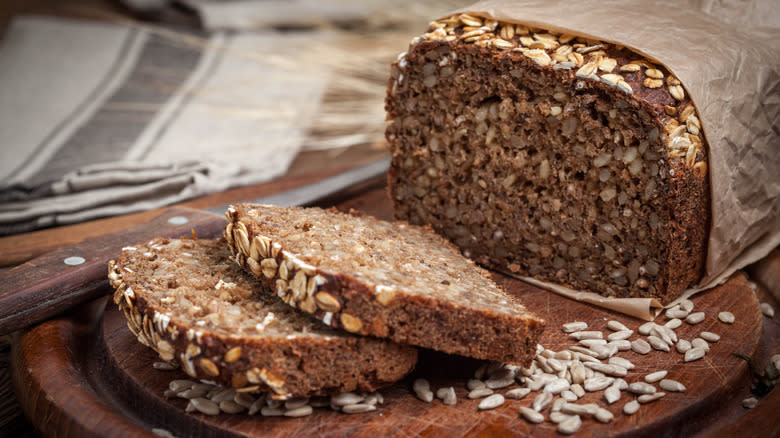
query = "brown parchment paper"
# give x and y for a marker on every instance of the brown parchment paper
(729, 63)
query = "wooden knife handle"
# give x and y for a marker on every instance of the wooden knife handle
(55, 282)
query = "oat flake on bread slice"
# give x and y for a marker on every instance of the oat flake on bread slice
(386, 279)
(190, 303)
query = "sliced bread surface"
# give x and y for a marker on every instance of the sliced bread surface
(385, 279)
(190, 303)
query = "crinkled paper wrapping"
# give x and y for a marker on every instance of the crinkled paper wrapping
(730, 66)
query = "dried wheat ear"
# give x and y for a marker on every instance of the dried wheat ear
(386, 279)
(540, 154)
(190, 303)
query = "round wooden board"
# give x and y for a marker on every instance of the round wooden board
(97, 380)
(86, 375)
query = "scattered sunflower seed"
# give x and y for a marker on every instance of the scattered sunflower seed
(656, 376)
(164, 366)
(541, 401)
(345, 398)
(700, 343)
(726, 317)
(616, 326)
(268, 411)
(205, 406)
(592, 334)
(767, 310)
(568, 395)
(479, 393)
(695, 318)
(300, 411)
(619, 336)
(422, 388)
(473, 384)
(709, 336)
(578, 390)
(694, 354)
(673, 323)
(358, 408)
(556, 386)
(575, 326)
(597, 383)
(683, 345)
(641, 388)
(558, 417)
(645, 328)
(686, 305)
(558, 403)
(491, 402)
(671, 385)
(612, 394)
(640, 346)
(531, 415)
(231, 407)
(603, 415)
(517, 393)
(621, 362)
(647, 398)
(658, 343)
(750, 402)
(631, 407)
(570, 425)
(579, 409)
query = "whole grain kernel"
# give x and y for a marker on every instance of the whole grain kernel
(350, 323)
(233, 354)
(327, 302)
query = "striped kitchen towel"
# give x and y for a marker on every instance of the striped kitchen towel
(104, 119)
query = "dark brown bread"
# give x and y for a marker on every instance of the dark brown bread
(189, 302)
(386, 279)
(539, 154)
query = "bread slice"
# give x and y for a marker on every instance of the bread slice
(186, 300)
(569, 160)
(386, 279)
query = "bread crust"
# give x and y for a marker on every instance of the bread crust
(287, 362)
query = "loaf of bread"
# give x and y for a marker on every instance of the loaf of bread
(385, 279)
(572, 161)
(190, 303)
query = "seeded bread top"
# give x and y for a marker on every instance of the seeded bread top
(383, 255)
(182, 282)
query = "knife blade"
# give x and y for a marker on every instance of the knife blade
(57, 281)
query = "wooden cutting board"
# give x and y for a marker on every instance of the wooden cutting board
(86, 375)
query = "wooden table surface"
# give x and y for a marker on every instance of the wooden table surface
(307, 167)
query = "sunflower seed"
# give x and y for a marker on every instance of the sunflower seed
(541, 401)
(473, 384)
(621, 362)
(647, 398)
(223, 394)
(163, 433)
(686, 305)
(656, 376)
(694, 354)
(499, 383)
(578, 390)
(658, 343)
(750, 402)
(358, 408)
(301, 411)
(531, 415)
(619, 336)
(631, 407)
(767, 310)
(592, 334)
(575, 326)
(597, 383)
(640, 346)
(671, 385)
(345, 398)
(620, 384)
(700, 343)
(603, 415)
(449, 399)
(668, 335)
(556, 386)
(568, 395)
(604, 351)
(230, 407)
(673, 323)
(480, 393)
(295, 403)
(726, 317)
(695, 318)
(180, 385)
(709, 336)
(422, 388)
(164, 366)
(676, 313)
(616, 326)
(491, 402)
(205, 406)
(579, 409)
(268, 411)
(683, 345)
(612, 394)
(570, 425)
(623, 345)
(644, 329)
(558, 417)
(608, 369)
(641, 388)
(590, 343)
(517, 393)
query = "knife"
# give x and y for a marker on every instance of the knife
(52, 283)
